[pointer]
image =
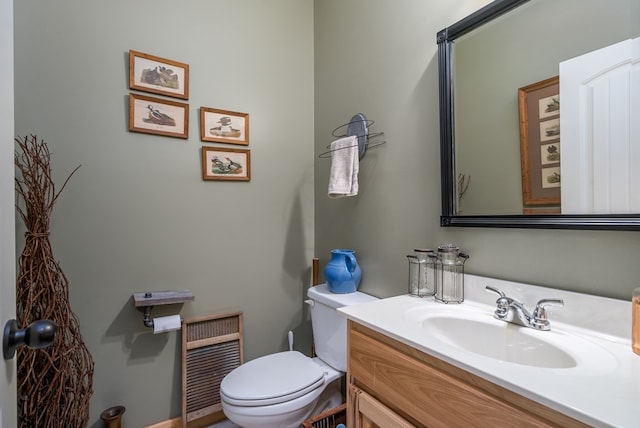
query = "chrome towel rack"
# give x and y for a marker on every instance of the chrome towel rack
(358, 126)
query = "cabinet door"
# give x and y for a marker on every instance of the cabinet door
(370, 413)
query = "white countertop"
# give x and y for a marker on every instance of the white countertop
(605, 395)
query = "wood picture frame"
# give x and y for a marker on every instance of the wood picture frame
(224, 126)
(539, 108)
(158, 75)
(158, 116)
(226, 164)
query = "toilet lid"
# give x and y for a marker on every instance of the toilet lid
(272, 379)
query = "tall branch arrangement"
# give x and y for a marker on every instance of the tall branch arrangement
(54, 384)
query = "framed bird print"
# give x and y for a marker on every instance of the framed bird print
(157, 75)
(224, 126)
(539, 106)
(226, 164)
(157, 116)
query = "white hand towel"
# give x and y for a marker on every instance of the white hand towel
(345, 164)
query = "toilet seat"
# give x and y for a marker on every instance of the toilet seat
(272, 379)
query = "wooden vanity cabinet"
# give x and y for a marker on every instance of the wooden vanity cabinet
(393, 385)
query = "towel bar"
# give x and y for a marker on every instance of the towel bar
(358, 126)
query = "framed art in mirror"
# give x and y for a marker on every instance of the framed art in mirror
(539, 107)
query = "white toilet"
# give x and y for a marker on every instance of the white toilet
(284, 389)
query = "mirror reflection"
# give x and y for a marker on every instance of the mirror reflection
(524, 85)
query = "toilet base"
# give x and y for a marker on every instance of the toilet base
(330, 398)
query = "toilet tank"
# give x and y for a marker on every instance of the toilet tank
(330, 326)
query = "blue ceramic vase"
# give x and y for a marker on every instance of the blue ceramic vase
(342, 272)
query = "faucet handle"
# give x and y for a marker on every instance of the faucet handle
(503, 302)
(542, 303)
(539, 315)
(495, 290)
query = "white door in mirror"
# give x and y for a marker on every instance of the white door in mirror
(600, 145)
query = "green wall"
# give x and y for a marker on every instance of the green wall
(137, 216)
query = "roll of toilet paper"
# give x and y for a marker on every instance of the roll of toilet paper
(165, 324)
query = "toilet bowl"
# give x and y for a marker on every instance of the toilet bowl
(279, 390)
(284, 389)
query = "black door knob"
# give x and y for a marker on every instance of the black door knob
(38, 335)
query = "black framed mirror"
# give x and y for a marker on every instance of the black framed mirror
(450, 125)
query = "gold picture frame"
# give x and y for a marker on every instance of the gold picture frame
(539, 108)
(158, 116)
(226, 164)
(224, 126)
(150, 73)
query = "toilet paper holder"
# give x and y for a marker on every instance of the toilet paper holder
(145, 301)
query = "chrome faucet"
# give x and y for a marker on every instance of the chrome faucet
(513, 311)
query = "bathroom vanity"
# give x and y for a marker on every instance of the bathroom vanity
(415, 362)
(426, 391)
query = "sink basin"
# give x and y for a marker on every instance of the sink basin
(498, 340)
(478, 332)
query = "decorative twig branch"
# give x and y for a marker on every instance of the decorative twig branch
(54, 384)
(463, 185)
